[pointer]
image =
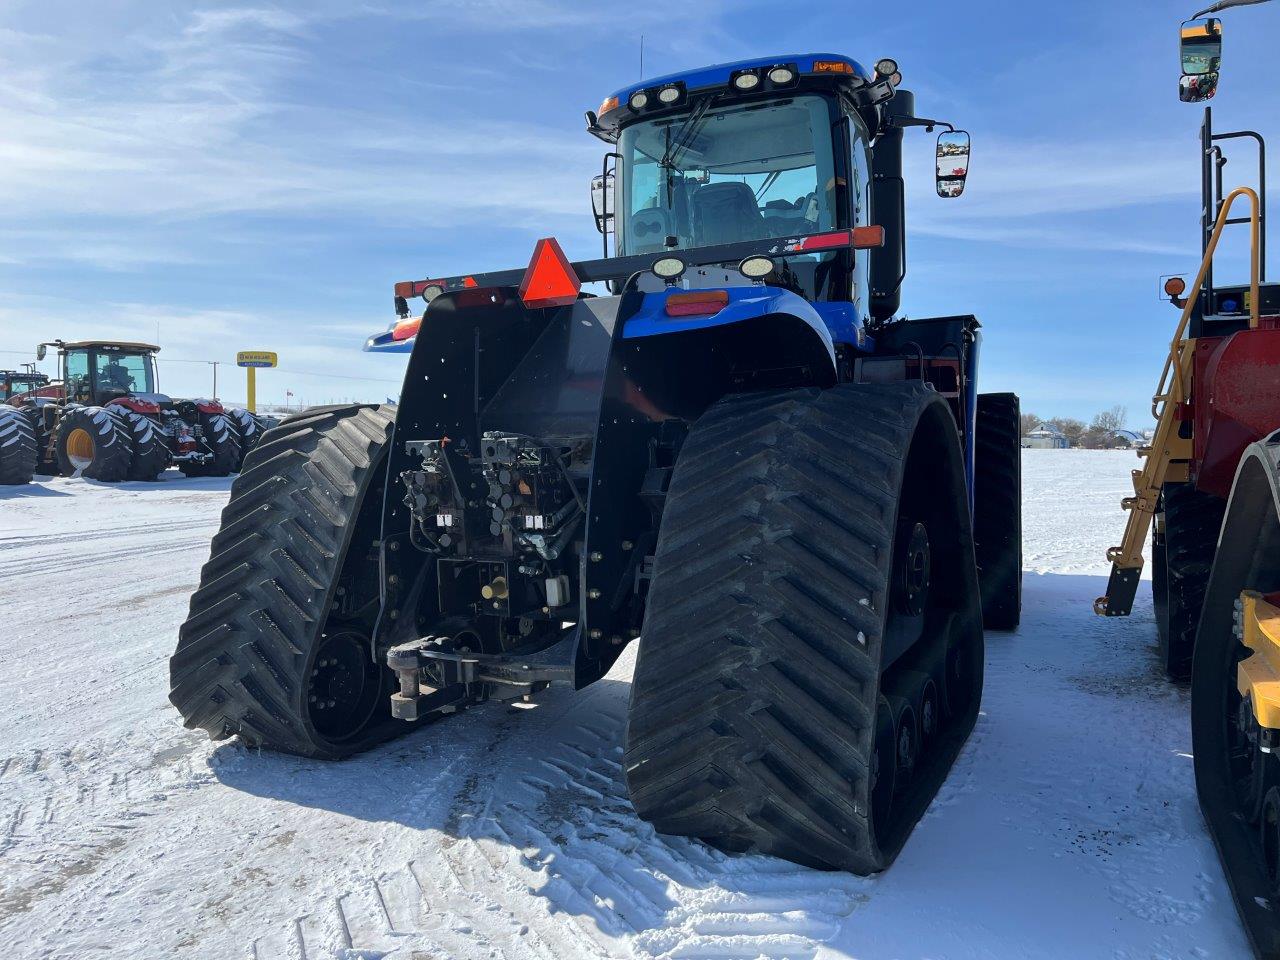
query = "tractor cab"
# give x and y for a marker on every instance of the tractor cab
(21, 383)
(95, 372)
(769, 149)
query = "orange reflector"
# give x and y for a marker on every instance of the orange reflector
(1175, 286)
(864, 238)
(549, 281)
(610, 104)
(406, 329)
(832, 66)
(697, 303)
(469, 281)
(404, 289)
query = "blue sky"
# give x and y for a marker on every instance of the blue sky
(258, 176)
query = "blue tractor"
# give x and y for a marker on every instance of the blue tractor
(735, 452)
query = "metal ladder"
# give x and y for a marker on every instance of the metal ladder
(1169, 452)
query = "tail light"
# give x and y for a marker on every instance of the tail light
(697, 303)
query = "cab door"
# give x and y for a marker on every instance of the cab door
(859, 194)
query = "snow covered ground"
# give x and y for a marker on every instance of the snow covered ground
(1068, 828)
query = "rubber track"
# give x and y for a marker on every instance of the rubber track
(997, 508)
(756, 682)
(18, 451)
(247, 646)
(1192, 520)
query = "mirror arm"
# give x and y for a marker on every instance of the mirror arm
(903, 122)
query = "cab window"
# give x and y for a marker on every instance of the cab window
(78, 376)
(122, 373)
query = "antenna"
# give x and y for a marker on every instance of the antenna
(642, 56)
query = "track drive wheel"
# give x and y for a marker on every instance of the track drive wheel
(815, 549)
(18, 451)
(94, 442)
(1191, 524)
(1237, 782)
(264, 654)
(997, 508)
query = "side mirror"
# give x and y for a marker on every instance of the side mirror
(953, 162)
(41, 351)
(602, 201)
(1197, 88)
(1201, 46)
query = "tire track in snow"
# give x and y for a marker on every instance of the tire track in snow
(543, 857)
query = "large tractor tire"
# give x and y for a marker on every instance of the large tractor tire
(811, 659)
(223, 441)
(997, 508)
(263, 654)
(19, 454)
(1188, 535)
(94, 442)
(248, 428)
(150, 446)
(1239, 782)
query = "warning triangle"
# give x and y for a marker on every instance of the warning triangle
(549, 281)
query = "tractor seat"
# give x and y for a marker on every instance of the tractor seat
(725, 213)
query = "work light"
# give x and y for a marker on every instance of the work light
(887, 67)
(668, 268)
(746, 81)
(756, 268)
(669, 94)
(431, 291)
(639, 100)
(781, 75)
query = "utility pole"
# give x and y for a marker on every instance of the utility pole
(214, 364)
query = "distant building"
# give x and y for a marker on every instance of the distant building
(1128, 439)
(1045, 438)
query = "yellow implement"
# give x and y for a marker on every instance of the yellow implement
(1170, 451)
(1258, 676)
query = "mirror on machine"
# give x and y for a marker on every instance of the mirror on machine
(602, 200)
(1197, 89)
(953, 162)
(41, 351)
(1201, 47)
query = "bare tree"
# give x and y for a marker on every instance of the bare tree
(1101, 434)
(1029, 422)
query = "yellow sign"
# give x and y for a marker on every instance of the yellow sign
(256, 358)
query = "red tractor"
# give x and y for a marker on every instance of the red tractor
(108, 422)
(18, 385)
(1209, 494)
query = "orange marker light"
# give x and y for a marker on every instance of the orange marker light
(406, 329)
(610, 104)
(831, 66)
(865, 238)
(549, 281)
(1175, 286)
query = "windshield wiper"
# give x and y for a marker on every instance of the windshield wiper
(677, 145)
